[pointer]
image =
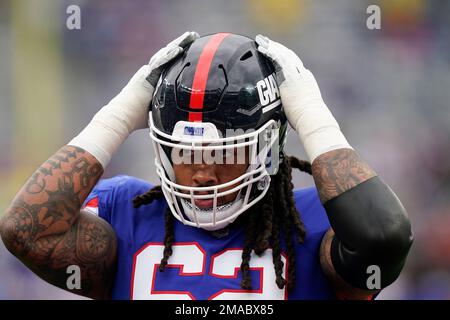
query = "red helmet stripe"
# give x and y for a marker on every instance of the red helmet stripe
(201, 75)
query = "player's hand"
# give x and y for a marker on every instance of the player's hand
(135, 98)
(167, 54)
(128, 111)
(298, 87)
(302, 102)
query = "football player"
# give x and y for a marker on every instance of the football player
(225, 222)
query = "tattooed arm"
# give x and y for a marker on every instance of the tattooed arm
(369, 225)
(337, 171)
(45, 229)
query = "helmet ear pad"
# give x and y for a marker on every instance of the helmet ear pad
(234, 90)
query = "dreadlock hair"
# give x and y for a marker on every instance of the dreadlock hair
(273, 215)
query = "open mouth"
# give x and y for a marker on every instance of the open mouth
(223, 202)
(206, 205)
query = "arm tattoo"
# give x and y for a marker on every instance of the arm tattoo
(334, 173)
(45, 229)
(339, 170)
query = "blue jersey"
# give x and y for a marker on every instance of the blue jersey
(201, 266)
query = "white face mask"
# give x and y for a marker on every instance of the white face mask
(181, 199)
(206, 216)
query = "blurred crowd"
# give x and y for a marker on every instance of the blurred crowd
(388, 89)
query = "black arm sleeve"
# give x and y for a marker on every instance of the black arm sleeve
(371, 228)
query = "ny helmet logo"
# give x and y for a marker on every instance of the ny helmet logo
(268, 92)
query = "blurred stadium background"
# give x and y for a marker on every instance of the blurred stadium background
(389, 89)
